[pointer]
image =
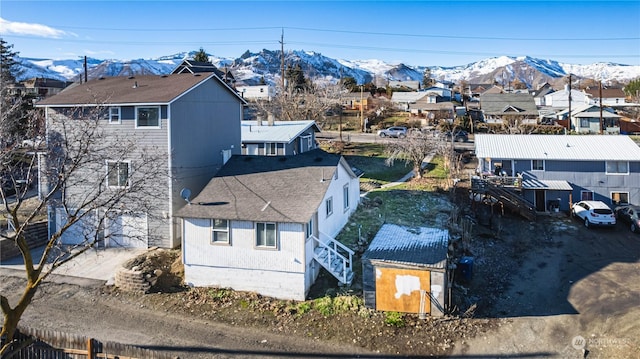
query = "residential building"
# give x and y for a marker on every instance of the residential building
(591, 119)
(509, 108)
(190, 121)
(565, 168)
(257, 92)
(273, 138)
(267, 224)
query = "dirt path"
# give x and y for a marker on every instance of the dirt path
(578, 292)
(86, 311)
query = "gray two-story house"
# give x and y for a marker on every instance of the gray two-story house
(565, 167)
(184, 126)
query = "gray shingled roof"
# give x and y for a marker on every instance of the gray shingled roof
(267, 188)
(156, 89)
(426, 247)
(500, 103)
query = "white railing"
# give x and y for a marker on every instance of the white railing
(334, 251)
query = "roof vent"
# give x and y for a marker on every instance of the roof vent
(101, 78)
(135, 85)
(196, 75)
(131, 77)
(163, 76)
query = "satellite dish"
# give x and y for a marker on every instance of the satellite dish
(185, 193)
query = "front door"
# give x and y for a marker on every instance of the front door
(540, 196)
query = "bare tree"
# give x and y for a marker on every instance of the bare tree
(90, 174)
(413, 150)
(291, 104)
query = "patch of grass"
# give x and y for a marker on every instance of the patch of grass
(394, 319)
(370, 158)
(435, 168)
(324, 305)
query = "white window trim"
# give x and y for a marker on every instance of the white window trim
(345, 199)
(255, 241)
(128, 163)
(621, 192)
(544, 165)
(328, 203)
(214, 230)
(267, 148)
(110, 115)
(582, 192)
(159, 117)
(606, 169)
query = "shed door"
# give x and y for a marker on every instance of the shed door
(398, 290)
(127, 230)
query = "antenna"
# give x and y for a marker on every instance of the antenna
(185, 193)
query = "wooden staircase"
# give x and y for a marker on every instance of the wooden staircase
(504, 190)
(335, 257)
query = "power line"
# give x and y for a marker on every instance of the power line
(354, 32)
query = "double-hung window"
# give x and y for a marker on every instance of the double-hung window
(537, 165)
(118, 173)
(148, 116)
(329, 206)
(114, 115)
(271, 148)
(266, 234)
(617, 167)
(220, 231)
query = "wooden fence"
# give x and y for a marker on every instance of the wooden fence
(52, 344)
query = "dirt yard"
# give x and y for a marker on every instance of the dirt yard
(546, 289)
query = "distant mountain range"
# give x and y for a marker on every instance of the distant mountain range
(250, 68)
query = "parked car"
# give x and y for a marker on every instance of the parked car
(594, 213)
(395, 131)
(458, 136)
(629, 214)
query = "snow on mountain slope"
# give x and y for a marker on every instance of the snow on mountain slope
(251, 68)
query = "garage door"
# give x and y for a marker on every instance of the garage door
(82, 231)
(129, 230)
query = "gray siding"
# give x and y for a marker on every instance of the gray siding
(204, 122)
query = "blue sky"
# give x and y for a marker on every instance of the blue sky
(427, 33)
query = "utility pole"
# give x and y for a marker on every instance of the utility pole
(569, 115)
(362, 125)
(282, 58)
(600, 94)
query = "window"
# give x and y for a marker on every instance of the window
(220, 231)
(310, 228)
(148, 116)
(114, 114)
(537, 165)
(117, 174)
(271, 149)
(266, 235)
(345, 195)
(329, 206)
(619, 198)
(617, 167)
(584, 122)
(586, 196)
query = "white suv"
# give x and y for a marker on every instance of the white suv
(594, 213)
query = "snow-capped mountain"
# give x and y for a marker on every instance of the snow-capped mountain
(252, 68)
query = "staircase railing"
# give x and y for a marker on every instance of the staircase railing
(334, 256)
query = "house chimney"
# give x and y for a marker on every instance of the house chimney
(259, 119)
(270, 118)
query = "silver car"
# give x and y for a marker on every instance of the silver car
(395, 131)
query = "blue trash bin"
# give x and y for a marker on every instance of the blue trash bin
(465, 265)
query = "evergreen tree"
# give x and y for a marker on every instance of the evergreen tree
(350, 84)
(7, 63)
(201, 56)
(295, 78)
(427, 81)
(633, 89)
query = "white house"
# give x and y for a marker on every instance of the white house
(257, 92)
(267, 224)
(271, 138)
(560, 99)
